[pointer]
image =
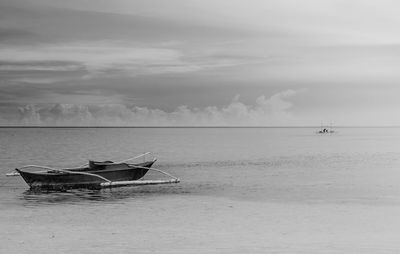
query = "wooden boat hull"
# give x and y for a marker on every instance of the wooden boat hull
(56, 180)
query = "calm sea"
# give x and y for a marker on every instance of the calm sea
(251, 190)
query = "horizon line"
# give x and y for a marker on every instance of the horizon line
(199, 127)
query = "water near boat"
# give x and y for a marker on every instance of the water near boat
(277, 190)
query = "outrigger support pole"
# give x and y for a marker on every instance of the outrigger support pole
(136, 157)
(142, 182)
(158, 170)
(137, 182)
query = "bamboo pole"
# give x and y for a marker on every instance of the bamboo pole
(136, 157)
(158, 170)
(142, 182)
(137, 183)
(12, 174)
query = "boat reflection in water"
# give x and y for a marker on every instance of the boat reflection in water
(44, 197)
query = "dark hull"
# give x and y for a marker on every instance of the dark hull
(55, 180)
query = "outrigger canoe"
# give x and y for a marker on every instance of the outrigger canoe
(95, 175)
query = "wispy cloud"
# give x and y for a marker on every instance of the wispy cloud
(105, 59)
(98, 56)
(49, 80)
(37, 66)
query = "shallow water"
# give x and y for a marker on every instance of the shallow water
(274, 190)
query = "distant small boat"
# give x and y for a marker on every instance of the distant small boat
(326, 130)
(94, 175)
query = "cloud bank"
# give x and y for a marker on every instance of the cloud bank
(274, 110)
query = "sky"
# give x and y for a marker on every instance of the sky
(199, 63)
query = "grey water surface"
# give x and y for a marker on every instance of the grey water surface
(254, 190)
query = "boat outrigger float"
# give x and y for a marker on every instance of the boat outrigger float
(94, 175)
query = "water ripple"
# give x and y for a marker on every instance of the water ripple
(32, 198)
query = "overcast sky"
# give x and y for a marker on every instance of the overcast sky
(199, 62)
